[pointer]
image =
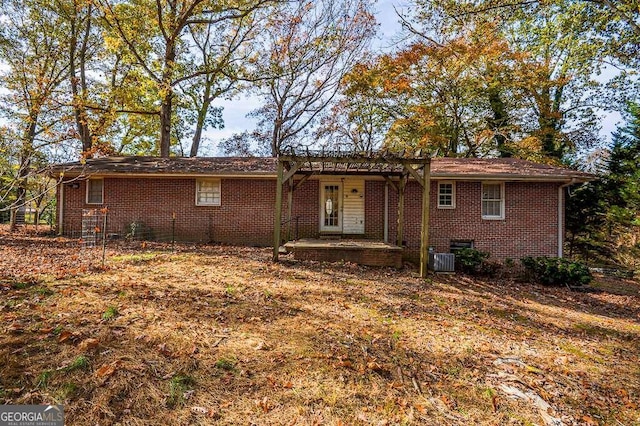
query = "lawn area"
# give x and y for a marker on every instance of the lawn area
(221, 335)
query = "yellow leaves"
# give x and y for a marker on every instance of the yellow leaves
(113, 43)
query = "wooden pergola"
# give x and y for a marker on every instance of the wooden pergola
(401, 166)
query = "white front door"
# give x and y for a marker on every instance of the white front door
(331, 207)
(353, 207)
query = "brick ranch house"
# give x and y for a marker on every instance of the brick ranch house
(508, 207)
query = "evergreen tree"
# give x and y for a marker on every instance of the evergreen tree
(603, 217)
(624, 174)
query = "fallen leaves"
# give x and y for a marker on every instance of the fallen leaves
(264, 404)
(107, 370)
(88, 344)
(67, 336)
(209, 412)
(311, 343)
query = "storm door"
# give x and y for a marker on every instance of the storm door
(331, 207)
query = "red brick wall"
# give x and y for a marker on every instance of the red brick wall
(152, 201)
(529, 227)
(306, 199)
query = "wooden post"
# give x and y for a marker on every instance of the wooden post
(400, 229)
(105, 212)
(289, 208)
(277, 220)
(424, 233)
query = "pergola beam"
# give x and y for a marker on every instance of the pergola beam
(379, 159)
(414, 173)
(400, 226)
(292, 171)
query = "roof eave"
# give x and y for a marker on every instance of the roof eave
(509, 177)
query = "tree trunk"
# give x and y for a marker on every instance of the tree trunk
(23, 172)
(202, 116)
(79, 84)
(499, 121)
(167, 100)
(165, 126)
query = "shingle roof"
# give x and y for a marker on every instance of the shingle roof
(172, 165)
(502, 167)
(453, 168)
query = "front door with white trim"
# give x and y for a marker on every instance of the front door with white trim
(331, 207)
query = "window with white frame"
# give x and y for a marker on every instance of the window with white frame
(446, 195)
(493, 200)
(208, 192)
(95, 191)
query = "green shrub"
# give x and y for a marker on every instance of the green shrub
(555, 271)
(470, 260)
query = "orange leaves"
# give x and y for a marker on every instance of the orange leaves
(107, 370)
(264, 404)
(88, 344)
(68, 337)
(284, 384)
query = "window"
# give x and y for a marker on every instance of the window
(446, 195)
(493, 201)
(455, 245)
(95, 190)
(208, 192)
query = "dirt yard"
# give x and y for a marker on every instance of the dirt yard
(221, 335)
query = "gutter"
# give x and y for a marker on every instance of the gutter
(561, 188)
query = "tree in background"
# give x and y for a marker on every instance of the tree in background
(604, 216)
(156, 37)
(434, 93)
(33, 47)
(477, 81)
(309, 46)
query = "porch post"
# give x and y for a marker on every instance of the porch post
(277, 220)
(289, 208)
(400, 228)
(424, 233)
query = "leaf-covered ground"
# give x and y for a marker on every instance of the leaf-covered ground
(221, 335)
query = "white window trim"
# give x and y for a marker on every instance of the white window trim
(453, 195)
(86, 198)
(216, 181)
(502, 201)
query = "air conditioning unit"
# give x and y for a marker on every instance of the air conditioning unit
(442, 262)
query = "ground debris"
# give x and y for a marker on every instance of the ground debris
(220, 334)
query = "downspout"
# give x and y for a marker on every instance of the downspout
(561, 214)
(386, 212)
(61, 208)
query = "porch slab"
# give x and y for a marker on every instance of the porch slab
(362, 252)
